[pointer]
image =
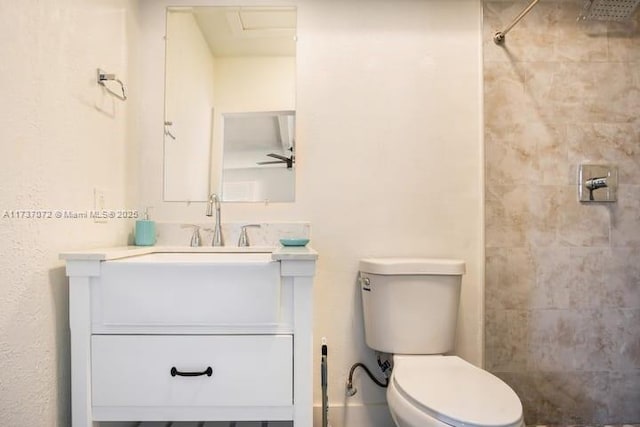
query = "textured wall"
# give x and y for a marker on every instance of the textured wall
(60, 137)
(562, 278)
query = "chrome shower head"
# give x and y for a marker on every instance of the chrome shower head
(608, 10)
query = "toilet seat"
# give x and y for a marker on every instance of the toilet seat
(455, 392)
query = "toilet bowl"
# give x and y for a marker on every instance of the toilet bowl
(445, 391)
(410, 308)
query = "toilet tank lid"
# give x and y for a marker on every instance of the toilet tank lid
(412, 266)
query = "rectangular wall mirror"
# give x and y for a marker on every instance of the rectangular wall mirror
(229, 124)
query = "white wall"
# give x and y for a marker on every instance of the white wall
(61, 136)
(389, 128)
(389, 158)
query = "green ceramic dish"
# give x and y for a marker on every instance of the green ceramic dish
(294, 242)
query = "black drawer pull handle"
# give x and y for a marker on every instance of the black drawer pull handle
(208, 372)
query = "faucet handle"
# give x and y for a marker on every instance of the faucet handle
(195, 237)
(243, 241)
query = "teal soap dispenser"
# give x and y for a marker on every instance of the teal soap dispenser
(145, 234)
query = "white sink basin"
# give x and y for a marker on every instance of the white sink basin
(191, 289)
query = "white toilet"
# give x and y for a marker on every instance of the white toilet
(410, 310)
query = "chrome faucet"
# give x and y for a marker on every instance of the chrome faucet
(217, 230)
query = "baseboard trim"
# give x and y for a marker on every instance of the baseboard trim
(359, 415)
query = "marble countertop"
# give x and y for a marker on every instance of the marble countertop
(280, 253)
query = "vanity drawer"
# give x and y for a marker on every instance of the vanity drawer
(246, 370)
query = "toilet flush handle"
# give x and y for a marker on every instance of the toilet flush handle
(366, 283)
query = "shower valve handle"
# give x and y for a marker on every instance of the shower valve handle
(594, 184)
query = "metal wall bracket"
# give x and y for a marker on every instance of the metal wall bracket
(500, 36)
(103, 77)
(597, 183)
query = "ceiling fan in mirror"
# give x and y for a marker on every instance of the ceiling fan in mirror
(289, 161)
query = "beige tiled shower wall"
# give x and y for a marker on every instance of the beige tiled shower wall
(562, 278)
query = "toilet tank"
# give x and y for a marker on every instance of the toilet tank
(411, 304)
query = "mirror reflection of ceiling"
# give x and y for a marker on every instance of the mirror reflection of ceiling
(246, 134)
(248, 31)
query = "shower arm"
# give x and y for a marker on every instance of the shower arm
(499, 37)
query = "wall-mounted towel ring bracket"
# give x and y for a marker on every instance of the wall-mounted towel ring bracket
(104, 77)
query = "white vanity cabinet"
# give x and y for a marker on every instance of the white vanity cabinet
(191, 336)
